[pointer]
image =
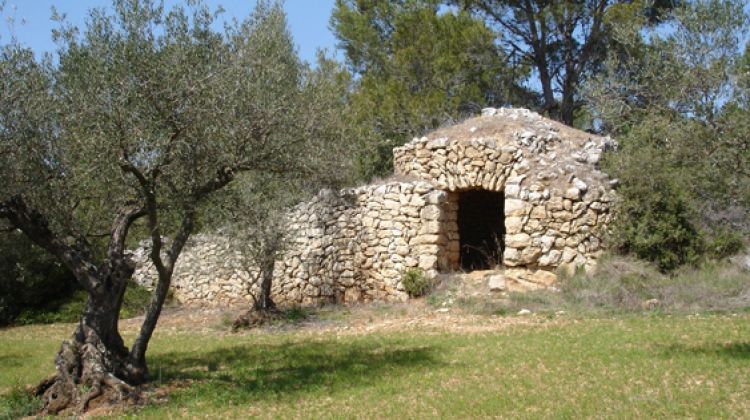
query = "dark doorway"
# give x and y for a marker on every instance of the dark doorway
(481, 228)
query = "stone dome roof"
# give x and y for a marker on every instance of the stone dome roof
(503, 145)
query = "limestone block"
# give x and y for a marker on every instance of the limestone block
(568, 254)
(512, 191)
(427, 262)
(496, 282)
(511, 257)
(550, 259)
(530, 254)
(429, 227)
(538, 212)
(515, 207)
(519, 240)
(416, 200)
(546, 243)
(426, 239)
(430, 212)
(514, 224)
(436, 197)
(580, 185)
(555, 204)
(543, 277)
(533, 225)
(573, 193)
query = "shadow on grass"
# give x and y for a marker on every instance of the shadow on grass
(11, 360)
(243, 373)
(732, 350)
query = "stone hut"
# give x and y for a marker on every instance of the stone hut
(509, 190)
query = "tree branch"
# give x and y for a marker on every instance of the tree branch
(73, 252)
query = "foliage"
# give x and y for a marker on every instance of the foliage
(416, 282)
(30, 276)
(18, 403)
(252, 211)
(676, 99)
(725, 243)
(416, 68)
(564, 42)
(36, 288)
(296, 314)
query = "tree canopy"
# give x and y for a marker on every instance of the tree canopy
(136, 123)
(564, 42)
(677, 101)
(417, 67)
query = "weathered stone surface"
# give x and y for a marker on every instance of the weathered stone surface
(543, 277)
(519, 240)
(513, 224)
(496, 282)
(514, 207)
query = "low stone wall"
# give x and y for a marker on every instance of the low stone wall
(347, 247)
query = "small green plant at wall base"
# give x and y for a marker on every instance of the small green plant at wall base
(416, 282)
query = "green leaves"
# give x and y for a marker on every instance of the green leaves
(674, 98)
(418, 67)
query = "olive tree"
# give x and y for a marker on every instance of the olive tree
(254, 212)
(142, 116)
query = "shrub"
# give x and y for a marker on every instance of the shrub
(659, 228)
(415, 282)
(295, 314)
(18, 403)
(725, 243)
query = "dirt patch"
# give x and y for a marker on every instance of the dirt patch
(187, 319)
(416, 315)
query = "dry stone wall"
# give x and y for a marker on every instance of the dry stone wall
(355, 245)
(347, 247)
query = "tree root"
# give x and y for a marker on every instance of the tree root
(85, 378)
(256, 318)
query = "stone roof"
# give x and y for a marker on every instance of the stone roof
(540, 150)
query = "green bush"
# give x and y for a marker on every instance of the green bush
(725, 243)
(18, 403)
(415, 282)
(662, 233)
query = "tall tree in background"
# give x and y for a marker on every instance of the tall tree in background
(417, 67)
(135, 125)
(677, 100)
(564, 41)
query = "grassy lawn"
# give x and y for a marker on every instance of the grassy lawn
(624, 366)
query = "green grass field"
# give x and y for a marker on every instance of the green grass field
(625, 366)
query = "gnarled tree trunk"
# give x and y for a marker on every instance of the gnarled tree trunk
(94, 364)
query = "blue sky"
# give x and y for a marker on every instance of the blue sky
(308, 20)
